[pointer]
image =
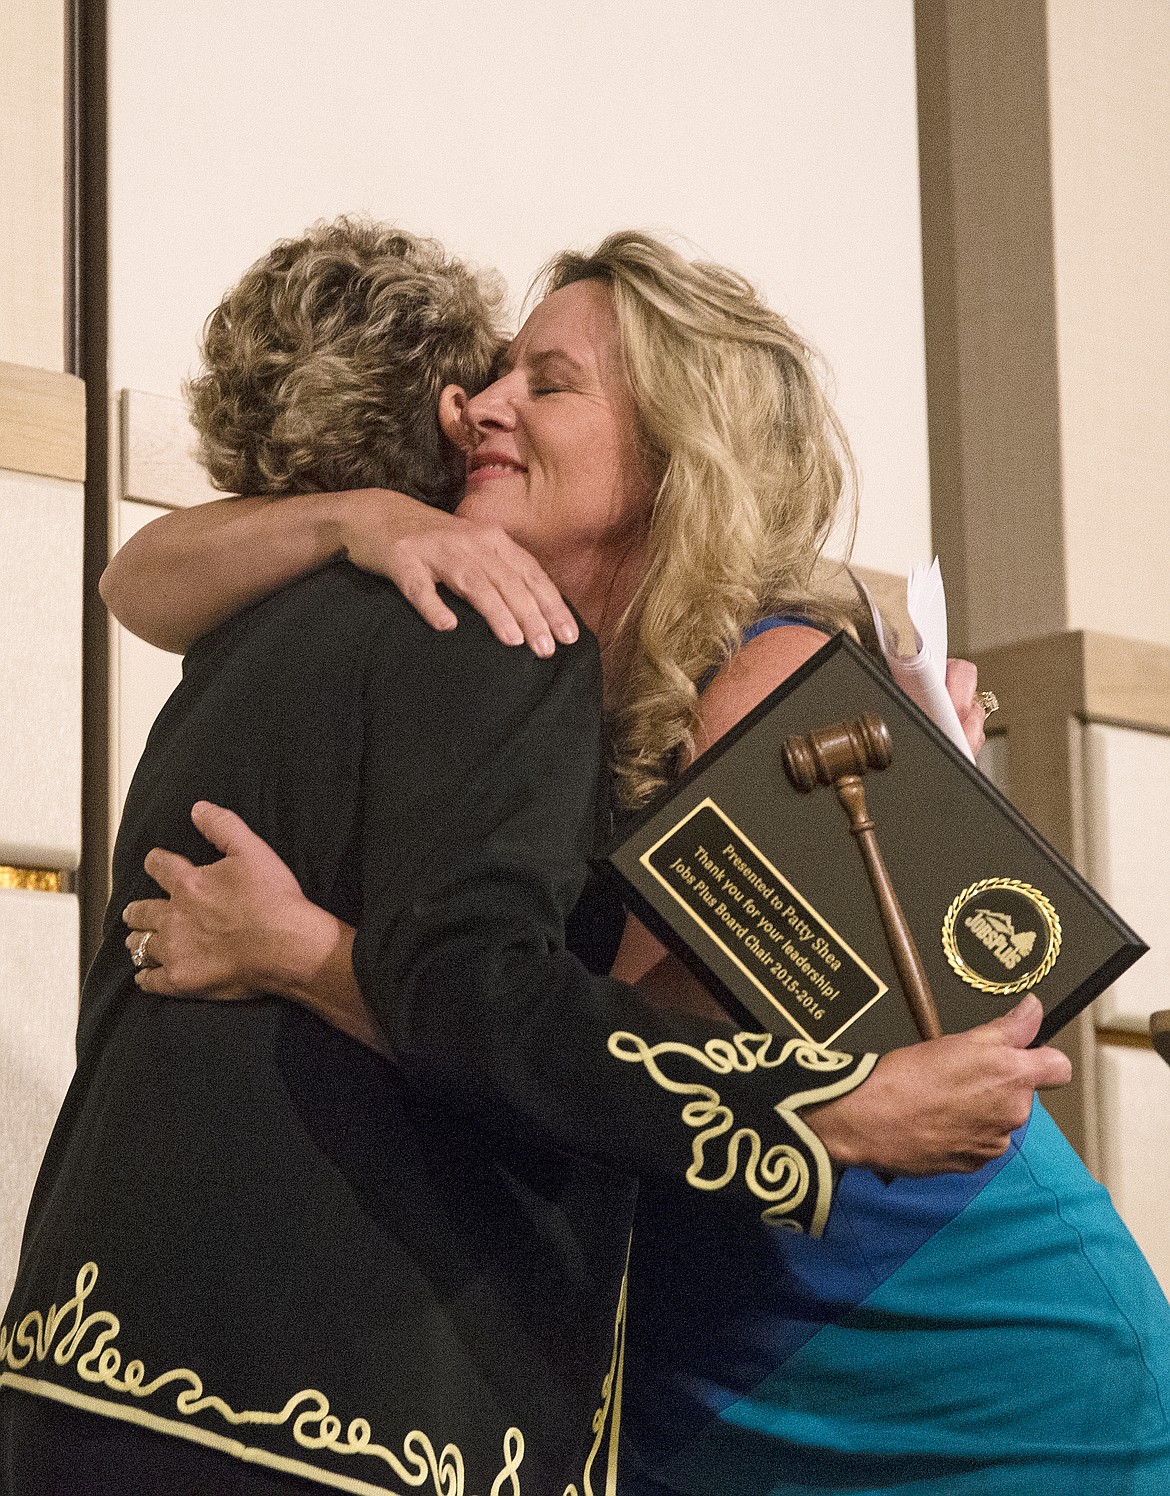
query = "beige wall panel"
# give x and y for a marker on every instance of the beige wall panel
(1110, 102)
(142, 679)
(776, 135)
(38, 1021)
(40, 671)
(158, 452)
(1134, 1095)
(1127, 825)
(32, 182)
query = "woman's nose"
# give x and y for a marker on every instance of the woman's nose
(493, 409)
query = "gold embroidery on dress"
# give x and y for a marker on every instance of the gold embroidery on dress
(608, 1415)
(780, 1175)
(315, 1427)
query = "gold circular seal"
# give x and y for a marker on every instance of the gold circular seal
(1001, 935)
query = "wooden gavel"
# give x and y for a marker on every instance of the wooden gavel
(839, 755)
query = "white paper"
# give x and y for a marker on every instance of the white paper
(923, 675)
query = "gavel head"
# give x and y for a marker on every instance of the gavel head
(829, 753)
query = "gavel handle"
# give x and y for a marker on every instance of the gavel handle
(916, 986)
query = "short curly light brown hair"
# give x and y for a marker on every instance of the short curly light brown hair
(322, 366)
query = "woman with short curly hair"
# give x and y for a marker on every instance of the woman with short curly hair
(323, 364)
(258, 1254)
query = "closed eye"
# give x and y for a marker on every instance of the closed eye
(553, 372)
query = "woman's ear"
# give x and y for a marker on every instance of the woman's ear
(452, 409)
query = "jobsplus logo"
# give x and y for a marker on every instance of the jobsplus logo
(1001, 935)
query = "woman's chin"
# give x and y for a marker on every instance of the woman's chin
(494, 502)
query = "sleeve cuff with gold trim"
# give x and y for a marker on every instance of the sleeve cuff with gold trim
(781, 1163)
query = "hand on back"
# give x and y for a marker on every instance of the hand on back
(417, 547)
(230, 928)
(188, 571)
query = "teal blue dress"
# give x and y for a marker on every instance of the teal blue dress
(988, 1334)
(994, 1334)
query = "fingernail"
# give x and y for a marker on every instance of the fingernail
(513, 636)
(125, 915)
(567, 632)
(544, 645)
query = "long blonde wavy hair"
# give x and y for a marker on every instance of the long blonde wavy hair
(755, 469)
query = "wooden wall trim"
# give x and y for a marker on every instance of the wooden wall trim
(158, 453)
(42, 422)
(1126, 681)
(1095, 677)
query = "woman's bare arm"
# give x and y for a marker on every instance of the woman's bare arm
(188, 571)
(192, 569)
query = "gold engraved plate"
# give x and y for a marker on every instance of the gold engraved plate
(1001, 935)
(753, 915)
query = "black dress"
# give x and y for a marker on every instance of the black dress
(252, 1233)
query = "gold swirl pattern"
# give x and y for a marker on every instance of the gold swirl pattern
(781, 1174)
(62, 1331)
(608, 1415)
(65, 1330)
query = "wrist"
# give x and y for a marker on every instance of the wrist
(331, 521)
(299, 949)
(837, 1141)
(839, 1125)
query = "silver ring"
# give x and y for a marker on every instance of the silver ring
(988, 700)
(138, 954)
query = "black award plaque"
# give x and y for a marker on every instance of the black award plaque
(836, 869)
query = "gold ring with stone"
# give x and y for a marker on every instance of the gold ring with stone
(988, 700)
(138, 954)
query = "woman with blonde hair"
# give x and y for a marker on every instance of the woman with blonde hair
(659, 438)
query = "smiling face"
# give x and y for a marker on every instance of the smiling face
(552, 446)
